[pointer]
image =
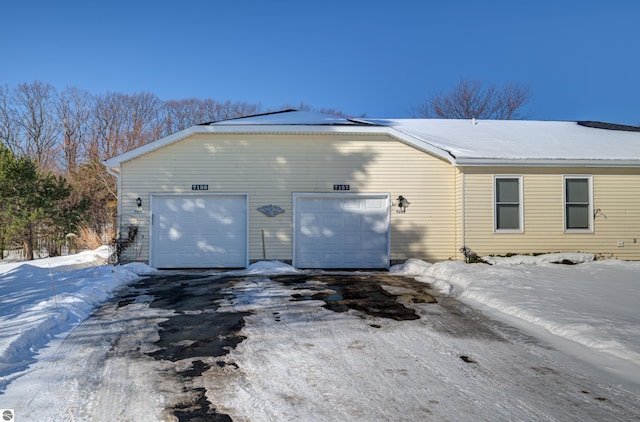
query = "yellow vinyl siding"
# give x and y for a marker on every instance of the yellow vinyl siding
(616, 193)
(459, 212)
(270, 167)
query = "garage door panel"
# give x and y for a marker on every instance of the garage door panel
(312, 205)
(350, 204)
(334, 260)
(354, 241)
(375, 204)
(352, 221)
(331, 222)
(205, 231)
(342, 231)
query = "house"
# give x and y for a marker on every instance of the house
(322, 191)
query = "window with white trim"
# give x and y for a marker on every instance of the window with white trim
(578, 203)
(508, 213)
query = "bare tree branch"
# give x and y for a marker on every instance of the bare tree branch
(33, 114)
(73, 110)
(8, 130)
(474, 99)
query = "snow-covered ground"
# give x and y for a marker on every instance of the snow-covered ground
(44, 299)
(589, 311)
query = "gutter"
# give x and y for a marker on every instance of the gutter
(548, 162)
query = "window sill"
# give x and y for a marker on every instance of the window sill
(508, 231)
(578, 231)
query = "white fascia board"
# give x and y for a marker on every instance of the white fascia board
(420, 144)
(536, 162)
(115, 162)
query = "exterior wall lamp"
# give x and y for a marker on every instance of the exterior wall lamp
(402, 204)
(139, 204)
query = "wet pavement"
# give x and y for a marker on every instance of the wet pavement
(360, 293)
(213, 346)
(197, 331)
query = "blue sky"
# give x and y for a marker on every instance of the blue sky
(579, 57)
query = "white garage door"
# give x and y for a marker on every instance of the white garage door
(199, 231)
(341, 231)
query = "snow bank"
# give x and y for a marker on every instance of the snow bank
(551, 258)
(593, 304)
(411, 267)
(64, 263)
(269, 267)
(437, 275)
(45, 298)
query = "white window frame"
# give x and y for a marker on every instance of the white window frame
(520, 229)
(589, 179)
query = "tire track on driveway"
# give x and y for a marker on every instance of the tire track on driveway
(107, 376)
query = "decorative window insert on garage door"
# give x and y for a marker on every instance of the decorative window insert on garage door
(341, 230)
(199, 230)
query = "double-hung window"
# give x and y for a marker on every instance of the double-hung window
(578, 204)
(508, 213)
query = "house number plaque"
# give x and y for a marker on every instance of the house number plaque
(199, 187)
(341, 187)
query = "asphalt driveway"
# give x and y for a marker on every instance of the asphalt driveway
(205, 346)
(198, 331)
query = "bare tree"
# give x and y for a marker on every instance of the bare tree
(179, 115)
(123, 122)
(73, 111)
(143, 119)
(34, 118)
(231, 109)
(473, 99)
(8, 131)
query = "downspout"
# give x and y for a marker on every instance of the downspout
(464, 210)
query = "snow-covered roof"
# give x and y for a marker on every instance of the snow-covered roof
(526, 141)
(478, 141)
(461, 142)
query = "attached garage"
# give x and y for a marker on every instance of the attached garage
(199, 230)
(303, 188)
(341, 230)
